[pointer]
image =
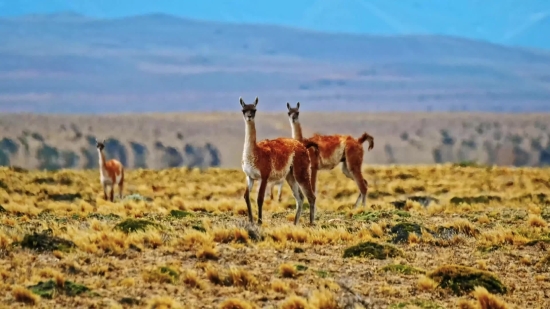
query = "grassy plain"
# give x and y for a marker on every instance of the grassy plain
(484, 224)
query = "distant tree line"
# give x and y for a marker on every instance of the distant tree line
(488, 143)
(480, 142)
(50, 157)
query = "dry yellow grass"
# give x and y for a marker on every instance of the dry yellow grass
(200, 252)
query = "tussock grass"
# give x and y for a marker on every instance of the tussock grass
(186, 241)
(23, 295)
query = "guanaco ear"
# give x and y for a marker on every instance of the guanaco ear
(288, 105)
(298, 105)
(242, 101)
(256, 102)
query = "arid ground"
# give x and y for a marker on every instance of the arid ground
(434, 236)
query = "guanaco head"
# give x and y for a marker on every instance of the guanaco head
(249, 110)
(100, 145)
(293, 112)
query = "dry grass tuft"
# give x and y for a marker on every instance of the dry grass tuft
(464, 304)
(58, 254)
(483, 219)
(192, 280)
(487, 300)
(235, 303)
(241, 277)
(376, 230)
(288, 271)
(323, 299)
(413, 238)
(482, 264)
(23, 295)
(279, 286)
(294, 302)
(160, 275)
(128, 282)
(163, 302)
(426, 284)
(232, 277)
(4, 274)
(59, 279)
(214, 276)
(207, 252)
(536, 221)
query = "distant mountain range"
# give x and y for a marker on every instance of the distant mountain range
(519, 23)
(69, 63)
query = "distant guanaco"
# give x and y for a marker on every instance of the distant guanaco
(332, 150)
(111, 173)
(275, 160)
(269, 189)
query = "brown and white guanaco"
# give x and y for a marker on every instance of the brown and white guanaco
(333, 149)
(275, 160)
(111, 173)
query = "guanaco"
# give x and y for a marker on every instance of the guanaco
(275, 160)
(111, 173)
(333, 150)
(269, 189)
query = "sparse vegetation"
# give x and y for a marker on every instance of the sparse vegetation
(467, 240)
(50, 288)
(44, 242)
(134, 225)
(372, 250)
(462, 279)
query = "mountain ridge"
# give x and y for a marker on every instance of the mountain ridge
(498, 21)
(154, 62)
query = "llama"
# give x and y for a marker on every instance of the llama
(275, 160)
(111, 173)
(333, 149)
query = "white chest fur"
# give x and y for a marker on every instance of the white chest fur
(106, 180)
(248, 162)
(249, 168)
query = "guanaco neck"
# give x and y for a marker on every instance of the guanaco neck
(101, 160)
(249, 138)
(296, 130)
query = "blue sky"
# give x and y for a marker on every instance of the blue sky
(514, 22)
